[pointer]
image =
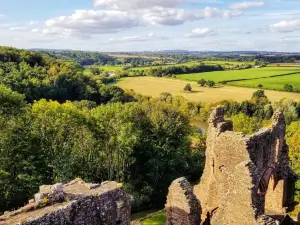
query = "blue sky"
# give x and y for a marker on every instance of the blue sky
(138, 25)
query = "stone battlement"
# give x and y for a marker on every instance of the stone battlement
(74, 203)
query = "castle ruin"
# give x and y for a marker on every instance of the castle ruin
(247, 179)
(75, 203)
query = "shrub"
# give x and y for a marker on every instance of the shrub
(188, 88)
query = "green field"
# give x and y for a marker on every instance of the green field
(229, 75)
(274, 83)
(109, 69)
(158, 219)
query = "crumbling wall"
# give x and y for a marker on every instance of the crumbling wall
(182, 206)
(245, 177)
(75, 203)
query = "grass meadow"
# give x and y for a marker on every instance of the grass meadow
(229, 75)
(158, 219)
(273, 83)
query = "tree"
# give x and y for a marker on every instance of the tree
(256, 62)
(245, 124)
(201, 82)
(188, 88)
(211, 83)
(288, 87)
(259, 97)
(259, 94)
(260, 86)
(293, 141)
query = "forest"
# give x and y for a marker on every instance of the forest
(58, 123)
(95, 58)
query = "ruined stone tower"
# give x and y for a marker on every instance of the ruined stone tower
(247, 179)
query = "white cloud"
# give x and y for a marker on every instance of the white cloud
(33, 22)
(89, 22)
(200, 32)
(61, 33)
(137, 4)
(286, 26)
(245, 5)
(172, 17)
(150, 37)
(18, 28)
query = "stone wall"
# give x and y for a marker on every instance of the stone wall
(182, 206)
(75, 203)
(246, 178)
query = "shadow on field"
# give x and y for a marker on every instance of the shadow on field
(192, 92)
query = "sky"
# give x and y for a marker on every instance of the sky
(151, 25)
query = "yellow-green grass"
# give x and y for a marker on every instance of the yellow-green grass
(143, 214)
(229, 75)
(157, 219)
(152, 86)
(273, 83)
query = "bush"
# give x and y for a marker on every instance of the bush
(201, 82)
(188, 88)
(288, 87)
(211, 83)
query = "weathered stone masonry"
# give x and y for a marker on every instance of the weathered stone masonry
(75, 203)
(182, 205)
(247, 179)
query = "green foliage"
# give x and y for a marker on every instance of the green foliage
(288, 87)
(210, 83)
(188, 88)
(259, 97)
(260, 86)
(201, 82)
(289, 108)
(170, 70)
(256, 62)
(293, 141)
(38, 76)
(259, 94)
(247, 125)
(84, 58)
(143, 144)
(10, 102)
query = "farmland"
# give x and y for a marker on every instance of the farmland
(229, 75)
(152, 86)
(273, 83)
